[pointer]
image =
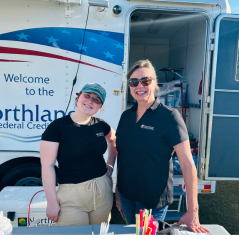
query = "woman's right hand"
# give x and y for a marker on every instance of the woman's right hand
(118, 204)
(52, 211)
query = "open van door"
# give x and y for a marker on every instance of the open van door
(222, 156)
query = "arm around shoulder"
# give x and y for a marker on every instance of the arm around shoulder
(112, 153)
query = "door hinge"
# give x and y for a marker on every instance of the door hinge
(212, 35)
(122, 88)
(123, 65)
(212, 47)
(67, 11)
(202, 169)
(208, 99)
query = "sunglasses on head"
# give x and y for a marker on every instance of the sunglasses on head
(145, 81)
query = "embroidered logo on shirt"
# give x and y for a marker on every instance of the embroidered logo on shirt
(147, 127)
(100, 134)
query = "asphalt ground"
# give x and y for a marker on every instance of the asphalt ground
(220, 208)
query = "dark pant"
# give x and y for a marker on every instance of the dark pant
(130, 208)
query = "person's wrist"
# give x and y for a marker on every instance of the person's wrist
(52, 201)
(193, 209)
(110, 165)
(117, 197)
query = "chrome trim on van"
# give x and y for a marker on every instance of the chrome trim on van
(223, 179)
(227, 116)
(223, 90)
(204, 104)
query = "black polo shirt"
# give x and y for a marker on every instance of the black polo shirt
(81, 148)
(145, 168)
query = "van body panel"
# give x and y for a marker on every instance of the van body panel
(40, 59)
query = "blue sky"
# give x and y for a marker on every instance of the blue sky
(235, 5)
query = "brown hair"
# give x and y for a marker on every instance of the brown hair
(77, 97)
(143, 64)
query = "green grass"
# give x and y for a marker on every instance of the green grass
(221, 208)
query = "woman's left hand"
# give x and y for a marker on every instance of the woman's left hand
(192, 221)
(109, 171)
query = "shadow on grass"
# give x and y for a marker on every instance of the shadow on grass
(115, 215)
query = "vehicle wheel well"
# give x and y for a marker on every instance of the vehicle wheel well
(8, 165)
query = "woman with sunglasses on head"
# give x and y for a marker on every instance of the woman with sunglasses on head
(78, 142)
(147, 135)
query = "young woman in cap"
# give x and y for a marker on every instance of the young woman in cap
(78, 142)
(147, 135)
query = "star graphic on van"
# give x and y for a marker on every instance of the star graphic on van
(22, 36)
(119, 46)
(93, 39)
(65, 31)
(52, 39)
(108, 55)
(104, 34)
(80, 46)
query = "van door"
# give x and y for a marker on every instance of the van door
(222, 157)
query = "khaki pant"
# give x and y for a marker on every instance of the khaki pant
(85, 203)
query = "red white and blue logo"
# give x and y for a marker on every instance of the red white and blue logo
(102, 45)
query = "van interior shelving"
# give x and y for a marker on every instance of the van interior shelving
(172, 40)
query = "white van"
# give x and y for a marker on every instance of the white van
(46, 45)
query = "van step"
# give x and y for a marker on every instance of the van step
(173, 216)
(177, 191)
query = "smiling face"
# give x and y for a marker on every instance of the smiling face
(143, 93)
(89, 103)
